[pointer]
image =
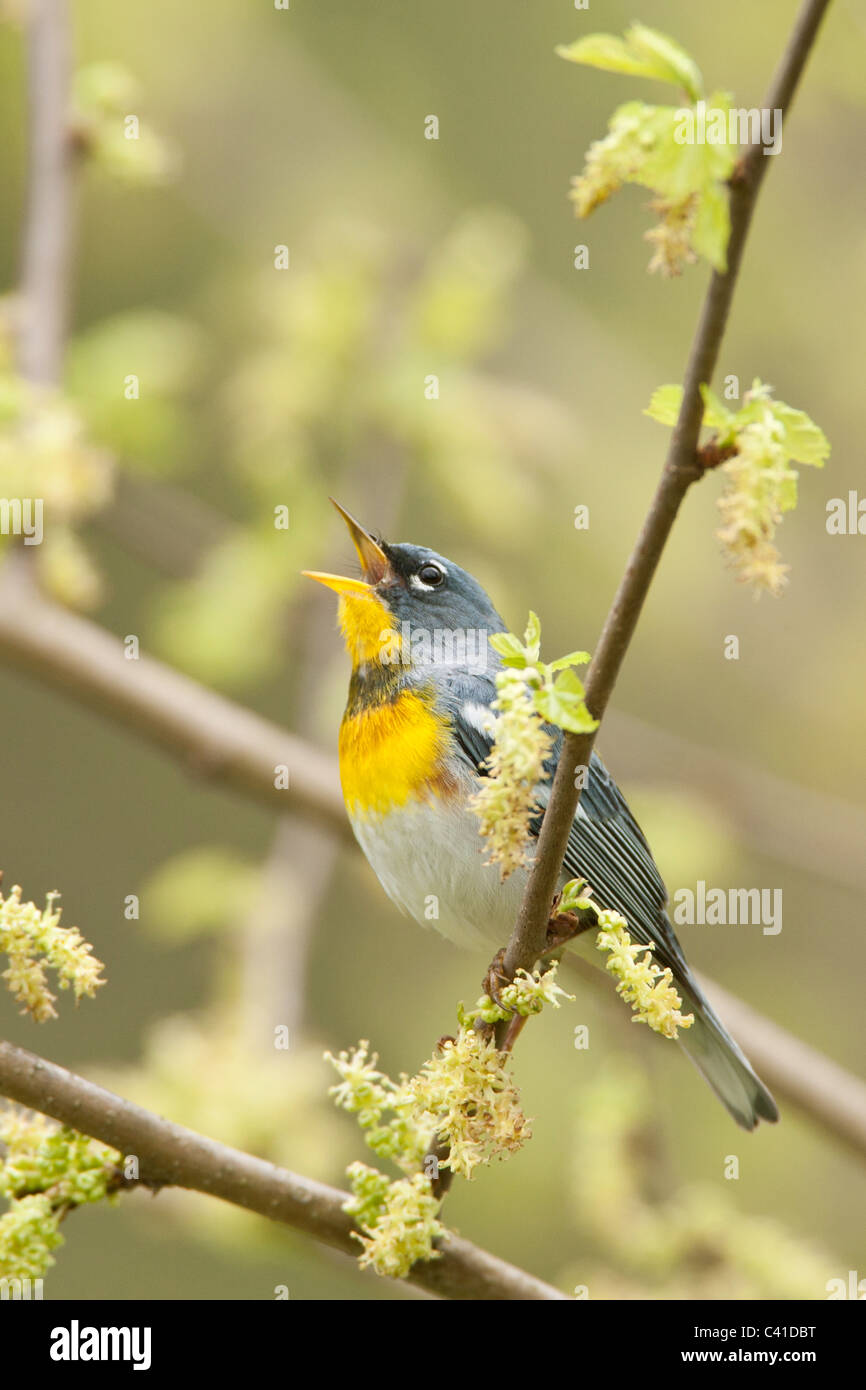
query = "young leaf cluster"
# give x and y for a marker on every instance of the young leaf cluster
(530, 694)
(649, 145)
(764, 438)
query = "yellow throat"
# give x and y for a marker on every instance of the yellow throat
(392, 741)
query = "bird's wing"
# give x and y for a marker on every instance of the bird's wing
(466, 697)
(607, 847)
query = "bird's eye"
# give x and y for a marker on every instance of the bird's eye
(431, 574)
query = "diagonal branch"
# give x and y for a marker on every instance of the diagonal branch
(208, 734)
(681, 469)
(48, 221)
(170, 1155)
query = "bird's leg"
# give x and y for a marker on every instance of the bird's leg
(563, 927)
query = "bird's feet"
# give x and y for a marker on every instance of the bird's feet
(565, 926)
(560, 930)
(495, 980)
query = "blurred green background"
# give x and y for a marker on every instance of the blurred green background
(261, 387)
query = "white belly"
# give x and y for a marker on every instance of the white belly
(429, 858)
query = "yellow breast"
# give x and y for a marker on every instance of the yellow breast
(390, 753)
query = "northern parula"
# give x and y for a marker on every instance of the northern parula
(414, 738)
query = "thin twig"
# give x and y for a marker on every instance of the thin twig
(208, 734)
(681, 469)
(48, 221)
(170, 1155)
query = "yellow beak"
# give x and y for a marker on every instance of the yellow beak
(339, 583)
(373, 559)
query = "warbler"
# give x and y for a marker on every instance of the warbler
(414, 742)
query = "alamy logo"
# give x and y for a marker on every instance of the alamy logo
(22, 516)
(439, 646)
(718, 907)
(854, 1287)
(77, 1343)
(20, 1289)
(716, 125)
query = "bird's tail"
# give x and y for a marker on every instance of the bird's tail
(720, 1061)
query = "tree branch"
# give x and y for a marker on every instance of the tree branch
(681, 469)
(205, 732)
(170, 1155)
(48, 221)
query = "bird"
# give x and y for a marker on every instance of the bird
(414, 740)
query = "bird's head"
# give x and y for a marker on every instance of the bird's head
(410, 606)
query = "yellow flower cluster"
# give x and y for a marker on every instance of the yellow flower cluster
(603, 171)
(526, 994)
(398, 1220)
(641, 982)
(465, 1095)
(759, 486)
(26, 933)
(41, 1156)
(671, 239)
(45, 1170)
(507, 798)
(386, 1111)
(755, 447)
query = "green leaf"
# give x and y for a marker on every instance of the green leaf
(665, 404)
(573, 659)
(712, 157)
(565, 709)
(642, 53)
(787, 492)
(569, 683)
(675, 169)
(804, 441)
(605, 51)
(713, 226)
(669, 57)
(509, 647)
(716, 415)
(532, 637)
(574, 896)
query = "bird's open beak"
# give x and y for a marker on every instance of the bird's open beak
(373, 559)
